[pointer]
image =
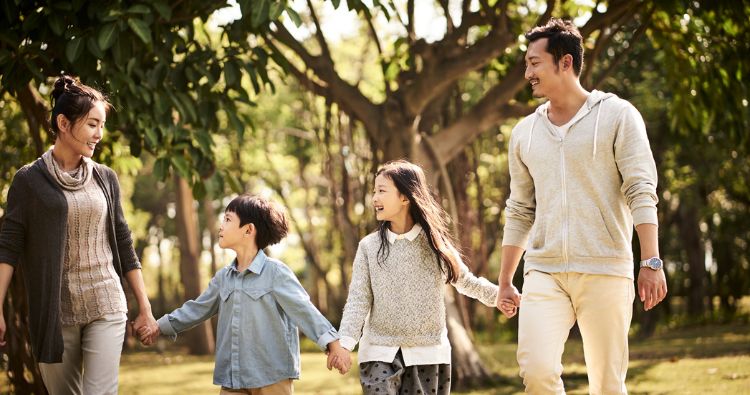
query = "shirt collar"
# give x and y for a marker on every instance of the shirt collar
(256, 266)
(410, 235)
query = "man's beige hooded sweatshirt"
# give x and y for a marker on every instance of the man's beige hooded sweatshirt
(574, 200)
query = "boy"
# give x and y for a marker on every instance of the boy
(260, 304)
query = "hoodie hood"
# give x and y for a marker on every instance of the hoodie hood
(595, 99)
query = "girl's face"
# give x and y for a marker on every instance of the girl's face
(231, 234)
(388, 202)
(82, 136)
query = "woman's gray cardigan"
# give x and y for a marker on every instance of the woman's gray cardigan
(34, 235)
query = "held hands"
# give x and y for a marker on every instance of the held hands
(338, 357)
(508, 300)
(652, 287)
(146, 328)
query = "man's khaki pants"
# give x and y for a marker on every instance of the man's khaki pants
(550, 305)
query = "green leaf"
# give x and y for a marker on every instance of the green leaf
(275, 10)
(336, 3)
(139, 9)
(152, 137)
(234, 183)
(234, 120)
(57, 24)
(107, 36)
(73, 49)
(141, 29)
(94, 48)
(161, 168)
(231, 74)
(163, 9)
(294, 16)
(181, 164)
(199, 190)
(259, 14)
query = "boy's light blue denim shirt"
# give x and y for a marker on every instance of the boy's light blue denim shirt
(260, 308)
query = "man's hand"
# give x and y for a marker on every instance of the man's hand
(652, 287)
(508, 300)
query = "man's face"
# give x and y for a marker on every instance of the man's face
(541, 70)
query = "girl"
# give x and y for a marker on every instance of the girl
(395, 307)
(260, 303)
(65, 225)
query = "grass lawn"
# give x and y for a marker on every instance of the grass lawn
(705, 360)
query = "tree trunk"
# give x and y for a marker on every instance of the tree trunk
(199, 339)
(467, 368)
(693, 243)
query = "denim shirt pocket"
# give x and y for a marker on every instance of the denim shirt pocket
(256, 293)
(225, 293)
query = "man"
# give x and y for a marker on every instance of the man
(582, 175)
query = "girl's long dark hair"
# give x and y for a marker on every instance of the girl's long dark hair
(424, 209)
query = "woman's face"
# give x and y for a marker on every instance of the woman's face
(388, 202)
(82, 136)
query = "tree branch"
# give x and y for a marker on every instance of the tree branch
(617, 11)
(344, 94)
(620, 57)
(319, 33)
(441, 73)
(35, 109)
(487, 113)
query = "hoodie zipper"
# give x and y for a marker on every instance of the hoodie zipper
(564, 206)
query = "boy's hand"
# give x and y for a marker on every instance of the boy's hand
(338, 357)
(148, 334)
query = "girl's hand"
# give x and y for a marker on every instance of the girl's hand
(339, 357)
(507, 307)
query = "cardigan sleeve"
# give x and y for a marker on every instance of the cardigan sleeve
(13, 232)
(123, 236)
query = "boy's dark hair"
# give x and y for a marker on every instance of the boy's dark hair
(268, 217)
(74, 100)
(563, 38)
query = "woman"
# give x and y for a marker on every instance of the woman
(65, 225)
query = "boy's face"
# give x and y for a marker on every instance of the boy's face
(231, 234)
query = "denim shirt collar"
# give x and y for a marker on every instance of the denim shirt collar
(256, 266)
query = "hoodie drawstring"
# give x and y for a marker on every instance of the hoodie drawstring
(596, 127)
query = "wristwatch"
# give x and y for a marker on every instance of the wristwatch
(653, 263)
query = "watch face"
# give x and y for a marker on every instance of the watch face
(655, 263)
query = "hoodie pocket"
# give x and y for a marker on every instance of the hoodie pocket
(545, 241)
(590, 236)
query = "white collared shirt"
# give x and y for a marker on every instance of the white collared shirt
(419, 355)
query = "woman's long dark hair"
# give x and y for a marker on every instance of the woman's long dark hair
(424, 209)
